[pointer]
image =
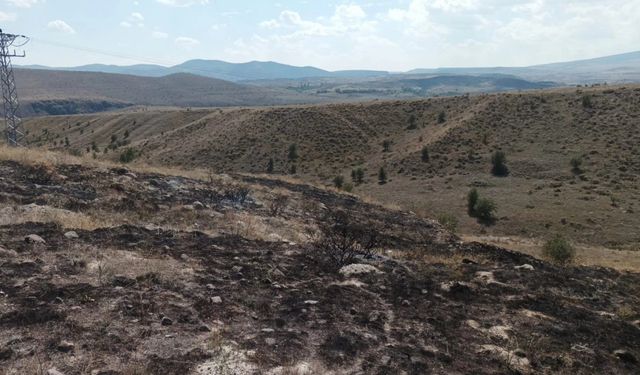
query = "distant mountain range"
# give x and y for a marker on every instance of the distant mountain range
(614, 69)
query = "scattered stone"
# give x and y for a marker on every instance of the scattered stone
(198, 205)
(268, 330)
(66, 346)
(166, 321)
(184, 257)
(71, 235)
(520, 364)
(406, 303)
(468, 261)
(4, 253)
(204, 328)
(625, 356)
(487, 278)
(35, 239)
(216, 300)
(270, 341)
(236, 269)
(54, 371)
(636, 323)
(311, 302)
(524, 267)
(582, 349)
(358, 269)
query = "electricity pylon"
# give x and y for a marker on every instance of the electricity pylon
(13, 123)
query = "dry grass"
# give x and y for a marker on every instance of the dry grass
(10, 215)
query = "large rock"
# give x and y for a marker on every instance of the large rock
(35, 239)
(71, 235)
(54, 371)
(358, 269)
(625, 356)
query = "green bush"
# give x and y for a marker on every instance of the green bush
(270, 166)
(293, 152)
(559, 250)
(413, 124)
(442, 117)
(485, 210)
(499, 164)
(386, 145)
(448, 221)
(357, 175)
(586, 101)
(338, 182)
(576, 163)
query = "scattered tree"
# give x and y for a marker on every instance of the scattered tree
(413, 124)
(129, 155)
(442, 117)
(270, 166)
(357, 175)
(586, 102)
(472, 200)
(293, 169)
(485, 210)
(499, 164)
(425, 154)
(576, 163)
(338, 182)
(386, 145)
(293, 152)
(382, 176)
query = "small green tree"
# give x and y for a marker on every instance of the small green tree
(425, 154)
(413, 124)
(382, 176)
(338, 182)
(293, 152)
(270, 166)
(357, 175)
(472, 200)
(129, 155)
(586, 102)
(559, 250)
(386, 145)
(126, 133)
(293, 169)
(499, 164)
(442, 117)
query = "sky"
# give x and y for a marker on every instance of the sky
(394, 35)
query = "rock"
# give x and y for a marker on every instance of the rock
(35, 239)
(216, 300)
(468, 261)
(625, 356)
(54, 371)
(71, 235)
(198, 205)
(270, 341)
(5, 353)
(310, 302)
(358, 269)
(66, 346)
(516, 362)
(184, 257)
(524, 267)
(4, 253)
(268, 330)
(204, 328)
(166, 321)
(636, 323)
(236, 269)
(406, 303)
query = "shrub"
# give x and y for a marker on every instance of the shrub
(499, 164)
(357, 175)
(448, 221)
(342, 240)
(278, 204)
(559, 250)
(425, 154)
(382, 176)
(485, 210)
(293, 169)
(472, 200)
(114, 138)
(586, 101)
(236, 193)
(576, 163)
(129, 155)
(442, 117)
(386, 145)
(338, 182)
(348, 187)
(126, 133)
(293, 152)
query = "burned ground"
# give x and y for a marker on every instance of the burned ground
(170, 275)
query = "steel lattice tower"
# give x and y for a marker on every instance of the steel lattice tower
(13, 123)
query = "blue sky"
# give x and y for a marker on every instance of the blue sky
(386, 34)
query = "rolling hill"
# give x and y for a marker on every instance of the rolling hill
(540, 132)
(60, 92)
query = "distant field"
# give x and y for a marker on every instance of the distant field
(539, 131)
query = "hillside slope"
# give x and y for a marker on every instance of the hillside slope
(106, 270)
(540, 132)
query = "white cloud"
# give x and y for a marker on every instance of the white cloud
(60, 26)
(134, 18)
(454, 5)
(7, 17)
(186, 42)
(159, 35)
(183, 3)
(24, 3)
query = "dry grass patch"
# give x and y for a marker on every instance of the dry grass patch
(12, 215)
